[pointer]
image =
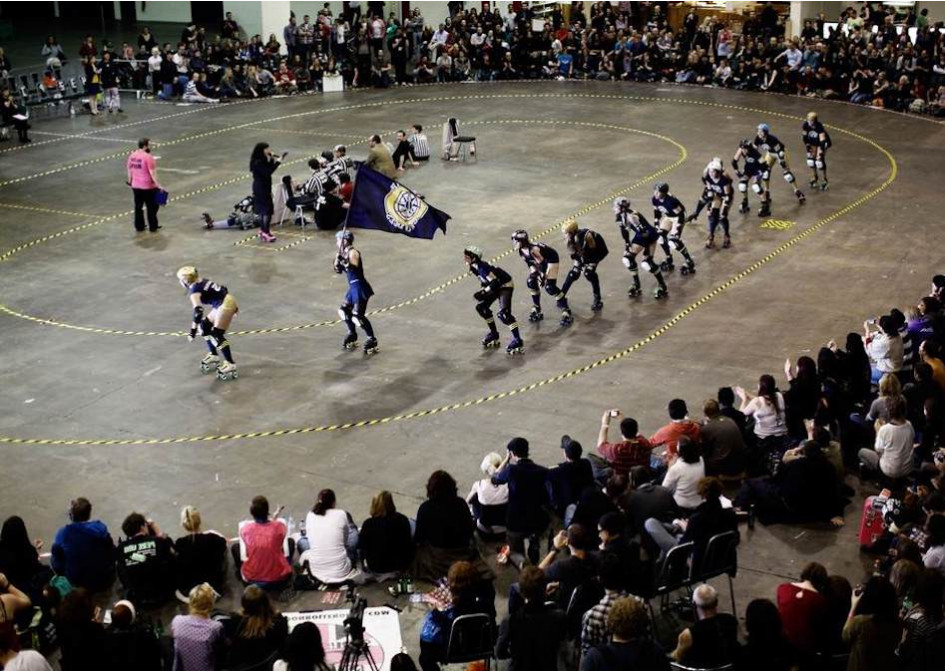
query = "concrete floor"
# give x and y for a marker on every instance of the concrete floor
(546, 151)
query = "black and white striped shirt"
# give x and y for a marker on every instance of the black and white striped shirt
(340, 166)
(420, 146)
(316, 183)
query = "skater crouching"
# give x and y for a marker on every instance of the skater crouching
(212, 325)
(496, 285)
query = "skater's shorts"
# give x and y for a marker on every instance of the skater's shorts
(643, 241)
(358, 292)
(771, 159)
(229, 304)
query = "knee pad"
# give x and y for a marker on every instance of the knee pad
(356, 319)
(781, 155)
(574, 274)
(218, 337)
(206, 328)
(789, 177)
(677, 242)
(590, 270)
(810, 162)
(766, 175)
(630, 261)
(649, 265)
(819, 163)
(505, 316)
(483, 311)
(743, 186)
(551, 286)
(532, 284)
(344, 313)
(757, 188)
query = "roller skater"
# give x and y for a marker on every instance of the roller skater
(752, 174)
(717, 197)
(496, 285)
(542, 261)
(670, 214)
(353, 312)
(773, 151)
(639, 236)
(241, 218)
(587, 249)
(817, 142)
(212, 325)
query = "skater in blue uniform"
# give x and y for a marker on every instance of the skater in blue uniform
(353, 311)
(212, 325)
(587, 249)
(639, 237)
(669, 214)
(817, 142)
(543, 262)
(773, 151)
(751, 174)
(717, 193)
(497, 285)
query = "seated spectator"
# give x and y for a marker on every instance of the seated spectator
(578, 569)
(892, 453)
(81, 635)
(83, 550)
(145, 561)
(201, 556)
(444, 532)
(884, 347)
(192, 93)
(596, 503)
(199, 641)
(19, 557)
(489, 502)
(631, 646)
(803, 395)
(13, 602)
(528, 497)
(934, 557)
(930, 352)
(286, 80)
(723, 445)
(14, 657)
(533, 633)
(712, 641)
(330, 545)
(872, 629)
(628, 457)
(648, 501)
(679, 425)
(256, 633)
(569, 479)
(766, 647)
(686, 470)
(917, 650)
(303, 650)
(469, 594)
(726, 397)
(804, 611)
(594, 630)
(385, 541)
(260, 555)
(614, 540)
(130, 645)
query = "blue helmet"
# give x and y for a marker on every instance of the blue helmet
(345, 235)
(764, 128)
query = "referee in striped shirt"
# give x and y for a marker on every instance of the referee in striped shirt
(315, 186)
(419, 147)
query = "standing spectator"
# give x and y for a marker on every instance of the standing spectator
(712, 642)
(262, 164)
(385, 540)
(628, 457)
(532, 634)
(145, 561)
(110, 83)
(93, 83)
(872, 629)
(444, 533)
(263, 540)
(230, 29)
(679, 425)
(290, 37)
(88, 48)
(142, 178)
(256, 633)
(199, 641)
(83, 550)
(631, 647)
(569, 479)
(146, 41)
(201, 556)
(723, 445)
(330, 544)
(528, 497)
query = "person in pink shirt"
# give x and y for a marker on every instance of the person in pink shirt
(260, 554)
(142, 178)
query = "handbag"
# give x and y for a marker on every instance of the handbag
(161, 197)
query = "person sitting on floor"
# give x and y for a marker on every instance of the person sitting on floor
(444, 532)
(145, 561)
(385, 541)
(628, 457)
(723, 444)
(201, 556)
(83, 550)
(330, 545)
(261, 556)
(256, 632)
(489, 502)
(712, 642)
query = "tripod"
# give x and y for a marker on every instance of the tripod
(356, 648)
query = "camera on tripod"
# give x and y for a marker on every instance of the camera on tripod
(355, 645)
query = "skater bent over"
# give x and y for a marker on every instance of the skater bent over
(212, 325)
(773, 151)
(717, 196)
(353, 311)
(496, 285)
(670, 215)
(639, 236)
(587, 249)
(753, 174)
(543, 262)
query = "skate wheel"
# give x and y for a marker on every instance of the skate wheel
(685, 271)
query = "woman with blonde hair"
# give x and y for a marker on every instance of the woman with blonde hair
(198, 640)
(201, 556)
(386, 539)
(489, 503)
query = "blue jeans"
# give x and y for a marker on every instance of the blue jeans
(662, 533)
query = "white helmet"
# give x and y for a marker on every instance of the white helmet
(621, 204)
(715, 165)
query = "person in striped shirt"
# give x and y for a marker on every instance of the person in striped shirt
(419, 145)
(339, 163)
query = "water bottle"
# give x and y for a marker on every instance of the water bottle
(72, 110)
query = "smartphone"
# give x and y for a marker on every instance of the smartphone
(614, 414)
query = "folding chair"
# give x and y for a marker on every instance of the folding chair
(674, 574)
(286, 195)
(472, 637)
(720, 557)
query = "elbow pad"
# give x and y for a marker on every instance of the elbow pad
(198, 314)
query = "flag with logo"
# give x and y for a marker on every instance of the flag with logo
(379, 202)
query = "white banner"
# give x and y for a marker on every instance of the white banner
(381, 633)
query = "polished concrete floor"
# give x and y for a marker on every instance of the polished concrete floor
(103, 397)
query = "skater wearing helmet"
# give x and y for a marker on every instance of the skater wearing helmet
(773, 151)
(717, 196)
(670, 214)
(817, 142)
(587, 249)
(751, 174)
(496, 285)
(542, 261)
(639, 236)
(353, 312)
(212, 325)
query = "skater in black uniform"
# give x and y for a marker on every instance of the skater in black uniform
(212, 325)
(587, 249)
(817, 142)
(669, 214)
(717, 197)
(543, 262)
(496, 285)
(751, 174)
(773, 151)
(639, 236)
(353, 311)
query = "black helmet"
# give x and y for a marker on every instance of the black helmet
(520, 236)
(745, 143)
(661, 187)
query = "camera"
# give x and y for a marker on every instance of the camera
(354, 621)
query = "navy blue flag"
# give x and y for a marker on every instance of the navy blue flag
(379, 202)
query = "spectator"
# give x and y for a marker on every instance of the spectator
(444, 532)
(628, 457)
(402, 152)
(303, 650)
(894, 442)
(713, 640)
(379, 158)
(199, 641)
(934, 557)
(648, 501)
(83, 550)
(488, 502)
(145, 561)
(12, 657)
(262, 164)
(19, 557)
(569, 479)
(81, 635)
(594, 630)
(686, 470)
(577, 570)
(917, 650)
(726, 397)
(872, 629)
(630, 646)
(805, 612)
(767, 409)
(803, 395)
(143, 180)
(263, 547)
(612, 530)
(386, 540)
(723, 445)
(930, 353)
(13, 602)
(679, 425)
(528, 497)
(201, 556)
(257, 633)
(330, 544)
(766, 647)
(884, 347)
(128, 644)
(533, 633)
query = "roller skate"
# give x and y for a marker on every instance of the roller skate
(598, 305)
(491, 340)
(727, 241)
(566, 318)
(634, 291)
(801, 198)
(350, 342)
(536, 315)
(667, 265)
(689, 268)
(370, 346)
(209, 364)
(744, 207)
(660, 293)
(823, 185)
(515, 347)
(207, 220)
(765, 210)
(710, 242)
(813, 183)
(227, 371)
